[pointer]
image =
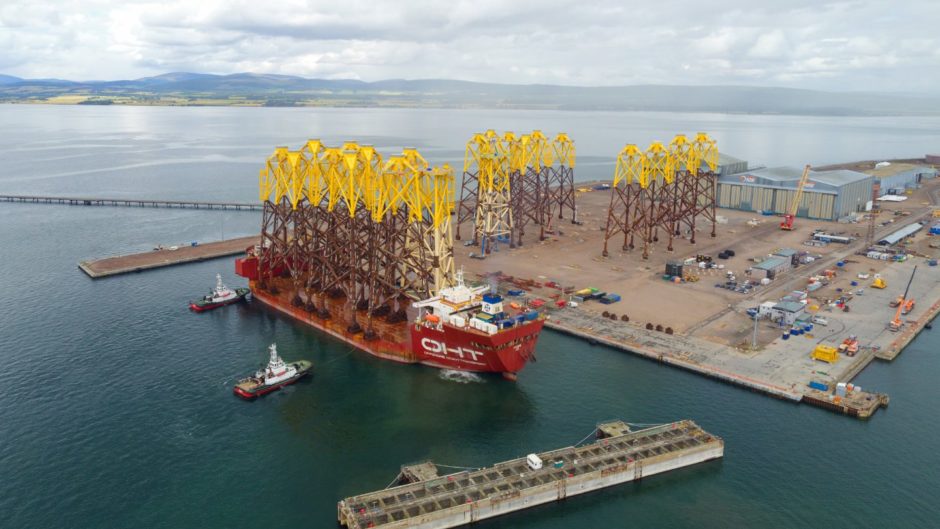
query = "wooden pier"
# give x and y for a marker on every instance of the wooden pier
(429, 501)
(138, 262)
(132, 202)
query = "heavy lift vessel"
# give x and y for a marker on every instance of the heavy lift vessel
(363, 250)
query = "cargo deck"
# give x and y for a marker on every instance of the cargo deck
(619, 455)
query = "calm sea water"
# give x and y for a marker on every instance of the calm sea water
(116, 408)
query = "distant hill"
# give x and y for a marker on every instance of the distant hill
(184, 88)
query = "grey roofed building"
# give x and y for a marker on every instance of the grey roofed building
(772, 263)
(728, 164)
(789, 177)
(899, 176)
(896, 236)
(828, 195)
(790, 306)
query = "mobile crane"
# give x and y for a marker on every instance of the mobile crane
(895, 324)
(790, 215)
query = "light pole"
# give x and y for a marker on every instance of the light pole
(754, 337)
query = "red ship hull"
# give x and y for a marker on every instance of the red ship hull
(470, 350)
(209, 306)
(447, 347)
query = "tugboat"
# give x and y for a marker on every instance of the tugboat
(220, 296)
(276, 375)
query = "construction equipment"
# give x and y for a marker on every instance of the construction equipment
(825, 353)
(849, 346)
(895, 324)
(790, 216)
(908, 307)
(879, 282)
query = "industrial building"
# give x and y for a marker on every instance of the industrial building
(772, 266)
(728, 164)
(787, 311)
(789, 254)
(828, 195)
(895, 178)
(901, 234)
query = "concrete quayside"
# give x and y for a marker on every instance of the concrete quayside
(425, 500)
(171, 256)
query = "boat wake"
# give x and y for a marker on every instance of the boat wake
(461, 377)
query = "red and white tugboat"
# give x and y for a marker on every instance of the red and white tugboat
(276, 375)
(220, 296)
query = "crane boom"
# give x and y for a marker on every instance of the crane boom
(790, 215)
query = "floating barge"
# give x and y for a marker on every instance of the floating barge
(429, 501)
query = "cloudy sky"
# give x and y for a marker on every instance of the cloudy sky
(847, 45)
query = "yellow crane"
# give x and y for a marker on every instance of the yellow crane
(790, 215)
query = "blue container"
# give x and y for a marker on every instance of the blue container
(785, 336)
(840, 263)
(854, 283)
(808, 327)
(792, 332)
(531, 315)
(799, 332)
(515, 292)
(932, 262)
(818, 385)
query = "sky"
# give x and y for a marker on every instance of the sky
(886, 46)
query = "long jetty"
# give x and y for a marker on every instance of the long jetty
(132, 202)
(174, 255)
(619, 455)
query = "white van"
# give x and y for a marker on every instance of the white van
(820, 321)
(534, 461)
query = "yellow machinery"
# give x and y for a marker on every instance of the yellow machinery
(879, 282)
(826, 354)
(790, 215)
